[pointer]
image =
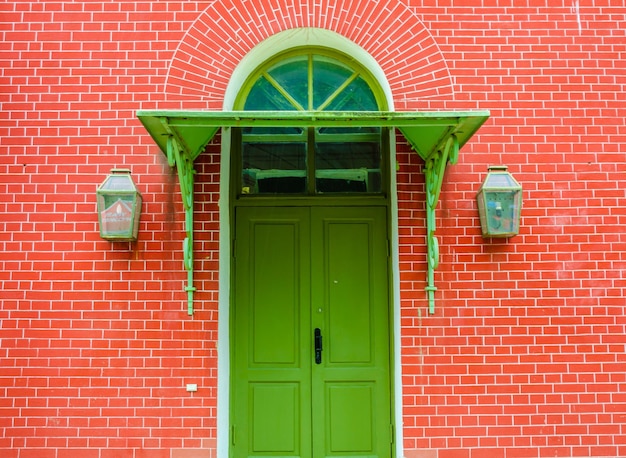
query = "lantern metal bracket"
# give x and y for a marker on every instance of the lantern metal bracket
(179, 157)
(434, 170)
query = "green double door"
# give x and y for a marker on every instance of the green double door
(311, 348)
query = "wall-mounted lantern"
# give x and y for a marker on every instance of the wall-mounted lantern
(499, 203)
(119, 206)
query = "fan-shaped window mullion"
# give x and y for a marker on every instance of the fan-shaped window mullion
(337, 92)
(284, 92)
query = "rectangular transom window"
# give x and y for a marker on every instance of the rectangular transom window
(311, 160)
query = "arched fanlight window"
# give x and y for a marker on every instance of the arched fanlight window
(305, 160)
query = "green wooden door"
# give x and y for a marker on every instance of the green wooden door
(301, 271)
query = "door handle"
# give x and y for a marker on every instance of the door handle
(318, 346)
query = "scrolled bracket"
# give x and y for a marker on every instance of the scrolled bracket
(184, 165)
(434, 171)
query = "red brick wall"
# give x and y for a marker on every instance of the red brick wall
(524, 356)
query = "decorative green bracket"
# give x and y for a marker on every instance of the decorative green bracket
(184, 164)
(434, 171)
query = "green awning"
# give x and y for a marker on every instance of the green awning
(427, 132)
(435, 136)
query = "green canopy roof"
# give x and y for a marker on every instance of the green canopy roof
(435, 136)
(427, 132)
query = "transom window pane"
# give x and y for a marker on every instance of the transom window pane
(306, 160)
(274, 168)
(348, 166)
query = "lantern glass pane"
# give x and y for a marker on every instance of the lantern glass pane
(118, 183)
(500, 180)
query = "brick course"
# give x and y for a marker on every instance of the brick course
(524, 356)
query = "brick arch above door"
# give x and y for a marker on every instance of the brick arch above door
(228, 29)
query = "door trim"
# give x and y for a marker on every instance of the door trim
(224, 303)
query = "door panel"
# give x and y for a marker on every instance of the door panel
(297, 269)
(275, 417)
(271, 363)
(345, 246)
(350, 417)
(351, 391)
(275, 315)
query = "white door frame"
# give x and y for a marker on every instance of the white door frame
(282, 41)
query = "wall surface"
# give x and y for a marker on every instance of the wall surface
(524, 356)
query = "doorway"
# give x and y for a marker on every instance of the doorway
(310, 296)
(311, 343)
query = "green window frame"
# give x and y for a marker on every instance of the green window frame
(310, 160)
